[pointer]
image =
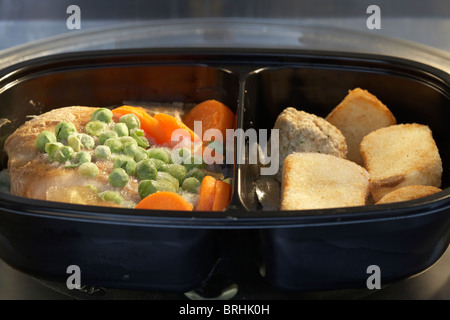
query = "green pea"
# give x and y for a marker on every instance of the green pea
(146, 170)
(121, 129)
(196, 173)
(195, 161)
(86, 140)
(130, 149)
(147, 187)
(159, 164)
(64, 154)
(131, 120)
(179, 156)
(118, 178)
(43, 138)
(102, 114)
(83, 156)
(51, 148)
(176, 170)
(74, 142)
(166, 185)
(63, 130)
(125, 162)
(127, 139)
(88, 169)
(95, 128)
(102, 152)
(134, 151)
(141, 154)
(107, 135)
(139, 136)
(191, 185)
(159, 153)
(166, 176)
(110, 195)
(80, 158)
(114, 145)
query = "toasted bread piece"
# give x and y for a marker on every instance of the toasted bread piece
(408, 193)
(317, 181)
(356, 116)
(401, 155)
(300, 131)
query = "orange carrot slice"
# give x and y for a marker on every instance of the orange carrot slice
(150, 125)
(123, 110)
(159, 128)
(213, 115)
(170, 124)
(164, 200)
(206, 194)
(222, 196)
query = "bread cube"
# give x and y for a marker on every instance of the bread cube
(401, 155)
(408, 193)
(318, 181)
(359, 113)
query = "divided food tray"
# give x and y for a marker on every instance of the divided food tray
(177, 252)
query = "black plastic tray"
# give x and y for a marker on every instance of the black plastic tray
(299, 251)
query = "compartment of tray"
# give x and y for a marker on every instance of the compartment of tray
(333, 248)
(113, 247)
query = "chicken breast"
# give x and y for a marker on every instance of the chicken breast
(32, 175)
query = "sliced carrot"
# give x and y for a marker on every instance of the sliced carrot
(222, 196)
(206, 194)
(123, 110)
(159, 127)
(140, 112)
(149, 124)
(164, 200)
(213, 115)
(170, 124)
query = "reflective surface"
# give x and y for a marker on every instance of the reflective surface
(26, 20)
(432, 284)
